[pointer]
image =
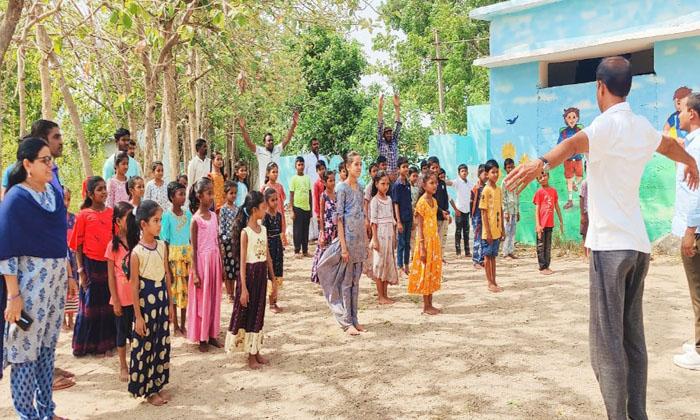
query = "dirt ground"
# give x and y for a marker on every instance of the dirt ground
(521, 354)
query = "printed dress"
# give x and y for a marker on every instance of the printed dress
(71, 303)
(219, 196)
(149, 367)
(273, 224)
(330, 231)
(384, 260)
(424, 279)
(340, 280)
(204, 306)
(158, 194)
(116, 192)
(175, 231)
(245, 330)
(226, 216)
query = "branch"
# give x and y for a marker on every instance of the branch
(37, 19)
(173, 40)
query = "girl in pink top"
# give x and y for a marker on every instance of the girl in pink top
(204, 291)
(116, 186)
(119, 285)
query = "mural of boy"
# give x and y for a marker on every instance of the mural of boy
(573, 165)
(672, 128)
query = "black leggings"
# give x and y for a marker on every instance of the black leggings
(301, 230)
(544, 248)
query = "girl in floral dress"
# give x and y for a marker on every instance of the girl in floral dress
(383, 237)
(226, 215)
(157, 189)
(329, 221)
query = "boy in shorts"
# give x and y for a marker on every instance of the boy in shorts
(491, 205)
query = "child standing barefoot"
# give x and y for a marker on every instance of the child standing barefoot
(274, 224)
(226, 215)
(119, 286)
(218, 179)
(149, 369)
(328, 220)
(175, 231)
(248, 317)
(383, 237)
(116, 186)
(136, 190)
(426, 269)
(204, 306)
(340, 267)
(491, 205)
(240, 171)
(157, 189)
(72, 298)
(94, 331)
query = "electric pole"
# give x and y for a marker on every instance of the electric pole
(439, 70)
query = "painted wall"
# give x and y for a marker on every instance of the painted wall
(514, 93)
(575, 21)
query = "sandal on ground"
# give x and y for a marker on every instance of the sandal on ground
(61, 382)
(64, 373)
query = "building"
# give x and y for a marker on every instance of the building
(543, 59)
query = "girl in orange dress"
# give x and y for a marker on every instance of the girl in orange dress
(218, 178)
(426, 269)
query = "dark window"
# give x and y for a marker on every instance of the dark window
(583, 71)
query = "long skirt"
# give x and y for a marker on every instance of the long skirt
(179, 258)
(340, 282)
(204, 302)
(149, 368)
(245, 330)
(95, 331)
(384, 260)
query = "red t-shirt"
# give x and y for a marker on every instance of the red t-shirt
(93, 230)
(546, 198)
(120, 279)
(319, 186)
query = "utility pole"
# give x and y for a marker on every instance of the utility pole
(439, 70)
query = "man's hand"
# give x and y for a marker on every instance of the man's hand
(690, 176)
(538, 230)
(506, 216)
(524, 174)
(457, 213)
(400, 227)
(396, 100)
(381, 100)
(241, 121)
(688, 243)
(295, 117)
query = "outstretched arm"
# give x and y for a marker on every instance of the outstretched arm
(295, 120)
(380, 116)
(397, 106)
(246, 137)
(670, 148)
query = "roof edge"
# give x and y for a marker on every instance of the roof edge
(506, 7)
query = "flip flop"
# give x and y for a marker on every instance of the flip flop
(63, 373)
(62, 383)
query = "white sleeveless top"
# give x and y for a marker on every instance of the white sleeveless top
(257, 245)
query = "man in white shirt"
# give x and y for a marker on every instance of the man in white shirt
(123, 139)
(619, 143)
(269, 153)
(200, 165)
(310, 161)
(463, 188)
(686, 220)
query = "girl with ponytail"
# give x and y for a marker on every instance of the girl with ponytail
(248, 317)
(125, 235)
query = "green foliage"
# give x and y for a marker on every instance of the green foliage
(411, 69)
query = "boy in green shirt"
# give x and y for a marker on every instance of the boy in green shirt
(300, 197)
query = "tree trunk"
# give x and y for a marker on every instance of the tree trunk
(75, 118)
(8, 25)
(21, 91)
(46, 90)
(163, 129)
(108, 101)
(169, 105)
(131, 118)
(192, 109)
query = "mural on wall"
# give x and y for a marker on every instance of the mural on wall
(573, 167)
(673, 124)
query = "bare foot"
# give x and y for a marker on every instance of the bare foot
(431, 310)
(513, 256)
(458, 256)
(385, 301)
(297, 256)
(360, 328)
(156, 400)
(352, 331)
(586, 260)
(405, 269)
(546, 272)
(203, 347)
(307, 255)
(478, 266)
(261, 359)
(468, 255)
(165, 396)
(124, 375)
(231, 299)
(66, 327)
(253, 362)
(507, 257)
(444, 262)
(275, 309)
(214, 342)
(179, 332)
(494, 288)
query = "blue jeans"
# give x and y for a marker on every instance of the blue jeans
(477, 254)
(404, 240)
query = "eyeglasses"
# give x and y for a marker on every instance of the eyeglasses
(46, 159)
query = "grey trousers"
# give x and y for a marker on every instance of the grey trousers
(692, 272)
(616, 335)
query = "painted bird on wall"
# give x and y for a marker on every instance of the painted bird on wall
(512, 120)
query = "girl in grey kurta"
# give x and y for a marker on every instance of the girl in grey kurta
(340, 267)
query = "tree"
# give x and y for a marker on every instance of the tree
(411, 69)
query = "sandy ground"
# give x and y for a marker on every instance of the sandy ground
(521, 354)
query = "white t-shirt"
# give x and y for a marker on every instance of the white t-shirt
(620, 143)
(310, 161)
(198, 169)
(264, 158)
(464, 192)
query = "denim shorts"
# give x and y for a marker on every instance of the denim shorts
(490, 250)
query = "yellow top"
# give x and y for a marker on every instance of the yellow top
(257, 245)
(492, 202)
(219, 197)
(151, 261)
